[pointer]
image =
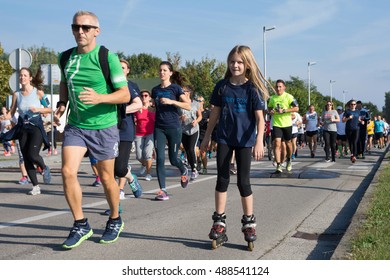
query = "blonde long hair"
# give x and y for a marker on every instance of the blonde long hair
(252, 70)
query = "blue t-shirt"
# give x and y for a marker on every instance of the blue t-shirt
(352, 124)
(167, 116)
(127, 131)
(237, 122)
(379, 126)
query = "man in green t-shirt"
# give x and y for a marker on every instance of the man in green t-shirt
(92, 125)
(280, 107)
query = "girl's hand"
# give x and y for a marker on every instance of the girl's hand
(166, 101)
(258, 151)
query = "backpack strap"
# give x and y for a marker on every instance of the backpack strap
(64, 58)
(103, 60)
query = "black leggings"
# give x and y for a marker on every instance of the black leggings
(30, 143)
(352, 136)
(330, 143)
(122, 161)
(243, 159)
(189, 143)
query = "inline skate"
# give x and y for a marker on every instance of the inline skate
(218, 230)
(248, 228)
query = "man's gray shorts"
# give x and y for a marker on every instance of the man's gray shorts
(102, 144)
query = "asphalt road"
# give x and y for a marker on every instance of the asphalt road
(300, 216)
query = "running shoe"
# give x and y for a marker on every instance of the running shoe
(184, 179)
(148, 177)
(97, 182)
(204, 171)
(279, 169)
(289, 166)
(24, 180)
(142, 170)
(112, 231)
(122, 195)
(78, 233)
(46, 175)
(327, 160)
(135, 186)
(233, 170)
(35, 190)
(162, 195)
(194, 174)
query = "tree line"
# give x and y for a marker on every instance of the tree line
(202, 76)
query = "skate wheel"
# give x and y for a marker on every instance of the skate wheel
(214, 244)
(250, 246)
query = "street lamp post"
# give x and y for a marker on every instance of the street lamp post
(344, 92)
(308, 70)
(265, 29)
(331, 82)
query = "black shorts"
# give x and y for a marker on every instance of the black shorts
(284, 133)
(341, 137)
(378, 135)
(311, 133)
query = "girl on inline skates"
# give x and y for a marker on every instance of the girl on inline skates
(239, 103)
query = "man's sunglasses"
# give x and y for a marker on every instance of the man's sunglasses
(84, 27)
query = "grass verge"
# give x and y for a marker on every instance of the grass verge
(372, 241)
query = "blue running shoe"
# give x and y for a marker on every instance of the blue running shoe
(46, 175)
(78, 233)
(24, 180)
(135, 187)
(112, 231)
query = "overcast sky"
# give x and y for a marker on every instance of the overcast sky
(349, 40)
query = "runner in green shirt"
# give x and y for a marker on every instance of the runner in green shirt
(92, 126)
(280, 107)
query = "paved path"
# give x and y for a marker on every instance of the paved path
(300, 216)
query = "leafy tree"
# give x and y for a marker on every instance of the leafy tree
(5, 74)
(143, 66)
(175, 59)
(204, 75)
(42, 55)
(386, 108)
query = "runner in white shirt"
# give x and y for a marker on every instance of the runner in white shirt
(311, 120)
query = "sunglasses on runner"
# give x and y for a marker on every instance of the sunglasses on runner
(84, 27)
